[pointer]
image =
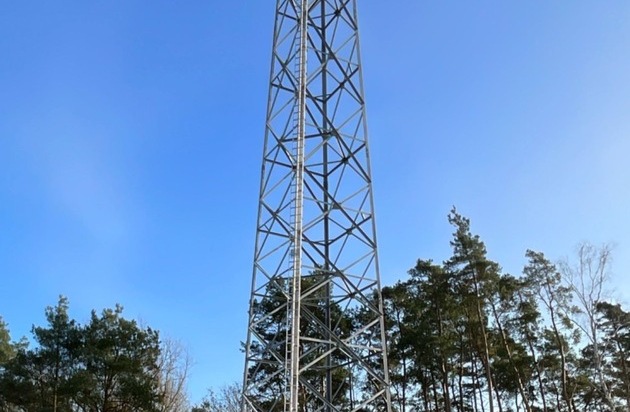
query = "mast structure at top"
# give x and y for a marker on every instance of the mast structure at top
(316, 338)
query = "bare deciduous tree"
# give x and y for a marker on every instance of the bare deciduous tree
(173, 369)
(227, 399)
(587, 279)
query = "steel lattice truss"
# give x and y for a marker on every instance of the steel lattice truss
(316, 336)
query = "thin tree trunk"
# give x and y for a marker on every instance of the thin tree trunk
(499, 401)
(485, 352)
(564, 376)
(626, 373)
(461, 372)
(425, 392)
(532, 352)
(598, 363)
(434, 386)
(507, 349)
(443, 366)
(403, 401)
(453, 394)
(475, 386)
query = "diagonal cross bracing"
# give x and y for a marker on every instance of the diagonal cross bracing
(316, 339)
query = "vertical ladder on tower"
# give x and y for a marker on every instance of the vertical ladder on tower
(295, 222)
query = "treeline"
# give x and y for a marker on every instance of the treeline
(464, 336)
(110, 364)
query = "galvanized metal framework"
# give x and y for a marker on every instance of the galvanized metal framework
(316, 339)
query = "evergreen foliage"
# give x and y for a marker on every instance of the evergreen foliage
(463, 336)
(466, 337)
(107, 365)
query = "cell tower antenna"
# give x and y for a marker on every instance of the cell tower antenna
(316, 335)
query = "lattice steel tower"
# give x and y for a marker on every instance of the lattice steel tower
(316, 339)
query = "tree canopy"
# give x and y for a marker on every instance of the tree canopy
(463, 336)
(110, 364)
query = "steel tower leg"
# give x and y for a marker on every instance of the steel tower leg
(316, 338)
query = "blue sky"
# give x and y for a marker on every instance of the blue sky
(131, 137)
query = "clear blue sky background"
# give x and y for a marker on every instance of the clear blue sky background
(131, 135)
